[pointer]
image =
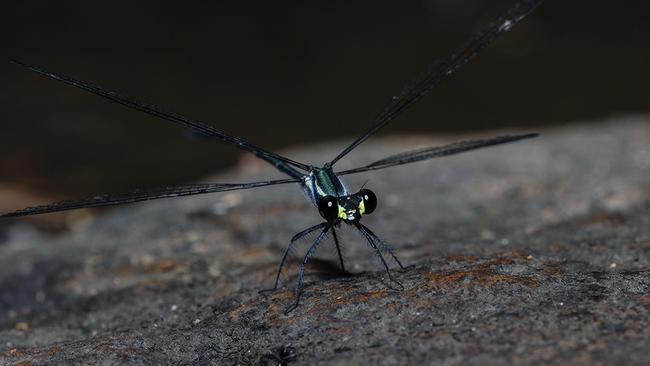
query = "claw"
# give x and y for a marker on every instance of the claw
(399, 284)
(390, 277)
(291, 308)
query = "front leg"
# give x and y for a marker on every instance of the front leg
(382, 244)
(301, 272)
(369, 237)
(295, 238)
(338, 250)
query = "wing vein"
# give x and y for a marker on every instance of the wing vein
(436, 152)
(439, 71)
(153, 110)
(142, 195)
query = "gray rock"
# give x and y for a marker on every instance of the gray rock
(530, 253)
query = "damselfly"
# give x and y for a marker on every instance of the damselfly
(323, 185)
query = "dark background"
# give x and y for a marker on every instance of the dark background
(283, 73)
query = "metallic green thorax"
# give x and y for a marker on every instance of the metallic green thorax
(323, 182)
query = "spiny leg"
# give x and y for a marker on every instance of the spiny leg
(370, 240)
(301, 272)
(383, 244)
(338, 249)
(295, 238)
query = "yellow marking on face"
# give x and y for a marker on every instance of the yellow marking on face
(342, 214)
(362, 207)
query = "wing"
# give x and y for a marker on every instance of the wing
(153, 110)
(436, 152)
(142, 195)
(441, 70)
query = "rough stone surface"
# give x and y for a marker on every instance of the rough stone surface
(530, 253)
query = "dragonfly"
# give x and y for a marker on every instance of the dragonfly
(323, 186)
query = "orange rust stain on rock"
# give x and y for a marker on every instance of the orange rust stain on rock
(103, 346)
(478, 273)
(461, 258)
(249, 256)
(519, 254)
(552, 270)
(123, 271)
(645, 299)
(274, 311)
(236, 312)
(603, 218)
(392, 307)
(334, 292)
(162, 266)
(275, 315)
(497, 260)
(335, 296)
(273, 302)
(23, 363)
(360, 298)
(53, 351)
(477, 277)
(166, 265)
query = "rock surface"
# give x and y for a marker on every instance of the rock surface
(529, 253)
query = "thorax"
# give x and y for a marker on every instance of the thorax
(323, 182)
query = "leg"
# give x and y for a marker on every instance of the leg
(382, 244)
(288, 250)
(338, 249)
(370, 240)
(301, 272)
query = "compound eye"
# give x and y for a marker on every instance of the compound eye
(328, 208)
(369, 200)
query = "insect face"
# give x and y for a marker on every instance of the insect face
(347, 208)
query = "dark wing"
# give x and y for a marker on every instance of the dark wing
(142, 195)
(436, 152)
(441, 70)
(151, 109)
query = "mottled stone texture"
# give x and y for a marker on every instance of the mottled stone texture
(529, 253)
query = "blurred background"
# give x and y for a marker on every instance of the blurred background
(283, 73)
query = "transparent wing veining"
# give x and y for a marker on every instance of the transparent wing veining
(142, 195)
(439, 71)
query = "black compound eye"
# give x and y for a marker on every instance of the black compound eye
(328, 208)
(369, 201)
